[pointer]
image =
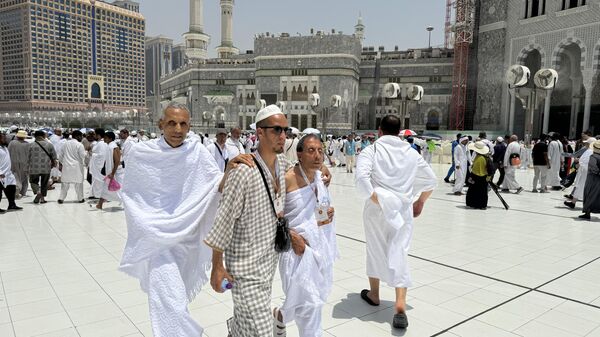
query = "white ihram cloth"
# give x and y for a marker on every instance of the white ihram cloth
(58, 143)
(96, 165)
(5, 168)
(170, 196)
(72, 157)
(555, 155)
(398, 175)
(582, 173)
(461, 161)
(510, 179)
(236, 147)
(307, 279)
(109, 165)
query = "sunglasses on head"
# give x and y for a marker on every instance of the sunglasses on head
(278, 129)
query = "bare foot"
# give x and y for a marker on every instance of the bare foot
(98, 206)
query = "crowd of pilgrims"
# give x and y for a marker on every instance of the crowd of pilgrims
(44, 158)
(37, 158)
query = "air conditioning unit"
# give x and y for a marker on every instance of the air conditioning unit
(261, 104)
(415, 92)
(281, 105)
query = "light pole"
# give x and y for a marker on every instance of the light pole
(544, 80)
(429, 29)
(315, 100)
(405, 94)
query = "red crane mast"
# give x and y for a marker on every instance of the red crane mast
(463, 37)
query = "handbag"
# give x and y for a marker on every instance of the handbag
(515, 159)
(283, 241)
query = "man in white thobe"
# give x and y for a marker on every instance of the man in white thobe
(58, 142)
(170, 195)
(555, 153)
(97, 164)
(235, 144)
(7, 179)
(510, 179)
(390, 175)
(71, 160)
(582, 172)
(219, 150)
(461, 161)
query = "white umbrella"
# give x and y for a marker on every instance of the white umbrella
(311, 130)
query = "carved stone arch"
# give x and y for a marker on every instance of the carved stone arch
(528, 49)
(560, 48)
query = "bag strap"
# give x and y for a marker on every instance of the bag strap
(221, 152)
(48, 154)
(262, 174)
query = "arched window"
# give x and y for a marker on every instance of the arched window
(96, 92)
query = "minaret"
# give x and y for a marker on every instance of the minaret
(196, 42)
(226, 49)
(359, 28)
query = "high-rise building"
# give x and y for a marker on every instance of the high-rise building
(179, 57)
(77, 55)
(159, 52)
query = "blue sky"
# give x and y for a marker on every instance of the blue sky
(388, 22)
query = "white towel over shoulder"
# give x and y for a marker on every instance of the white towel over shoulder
(170, 196)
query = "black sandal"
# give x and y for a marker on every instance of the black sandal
(364, 295)
(400, 321)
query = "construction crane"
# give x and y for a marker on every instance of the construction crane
(462, 33)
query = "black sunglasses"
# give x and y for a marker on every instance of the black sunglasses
(278, 129)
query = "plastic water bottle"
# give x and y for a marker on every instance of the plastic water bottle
(226, 285)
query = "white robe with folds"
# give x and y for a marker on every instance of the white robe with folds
(58, 142)
(510, 179)
(555, 155)
(170, 196)
(5, 168)
(461, 161)
(398, 175)
(96, 165)
(109, 165)
(307, 279)
(582, 173)
(72, 157)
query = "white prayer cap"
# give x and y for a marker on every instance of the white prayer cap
(221, 131)
(499, 139)
(267, 112)
(13, 128)
(134, 133)
(463, 139)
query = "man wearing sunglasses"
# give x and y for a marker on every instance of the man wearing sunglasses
(243, 235)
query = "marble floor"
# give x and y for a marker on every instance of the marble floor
(529, 271)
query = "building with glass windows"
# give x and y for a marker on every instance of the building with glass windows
(71, 55)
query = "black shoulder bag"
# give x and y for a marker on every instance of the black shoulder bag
(282, 234)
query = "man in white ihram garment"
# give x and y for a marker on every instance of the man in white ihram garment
(114, 169)
(71, 160)
(555, 154)
(395, 182)
(510, 179)
(170, 195)
(97, 164)
(307, 271)
(461, 160)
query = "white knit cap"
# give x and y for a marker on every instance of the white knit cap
(463, 139)
(267, 112)
(499, 139)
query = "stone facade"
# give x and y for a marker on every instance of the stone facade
(223, 92)
(546, 36)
